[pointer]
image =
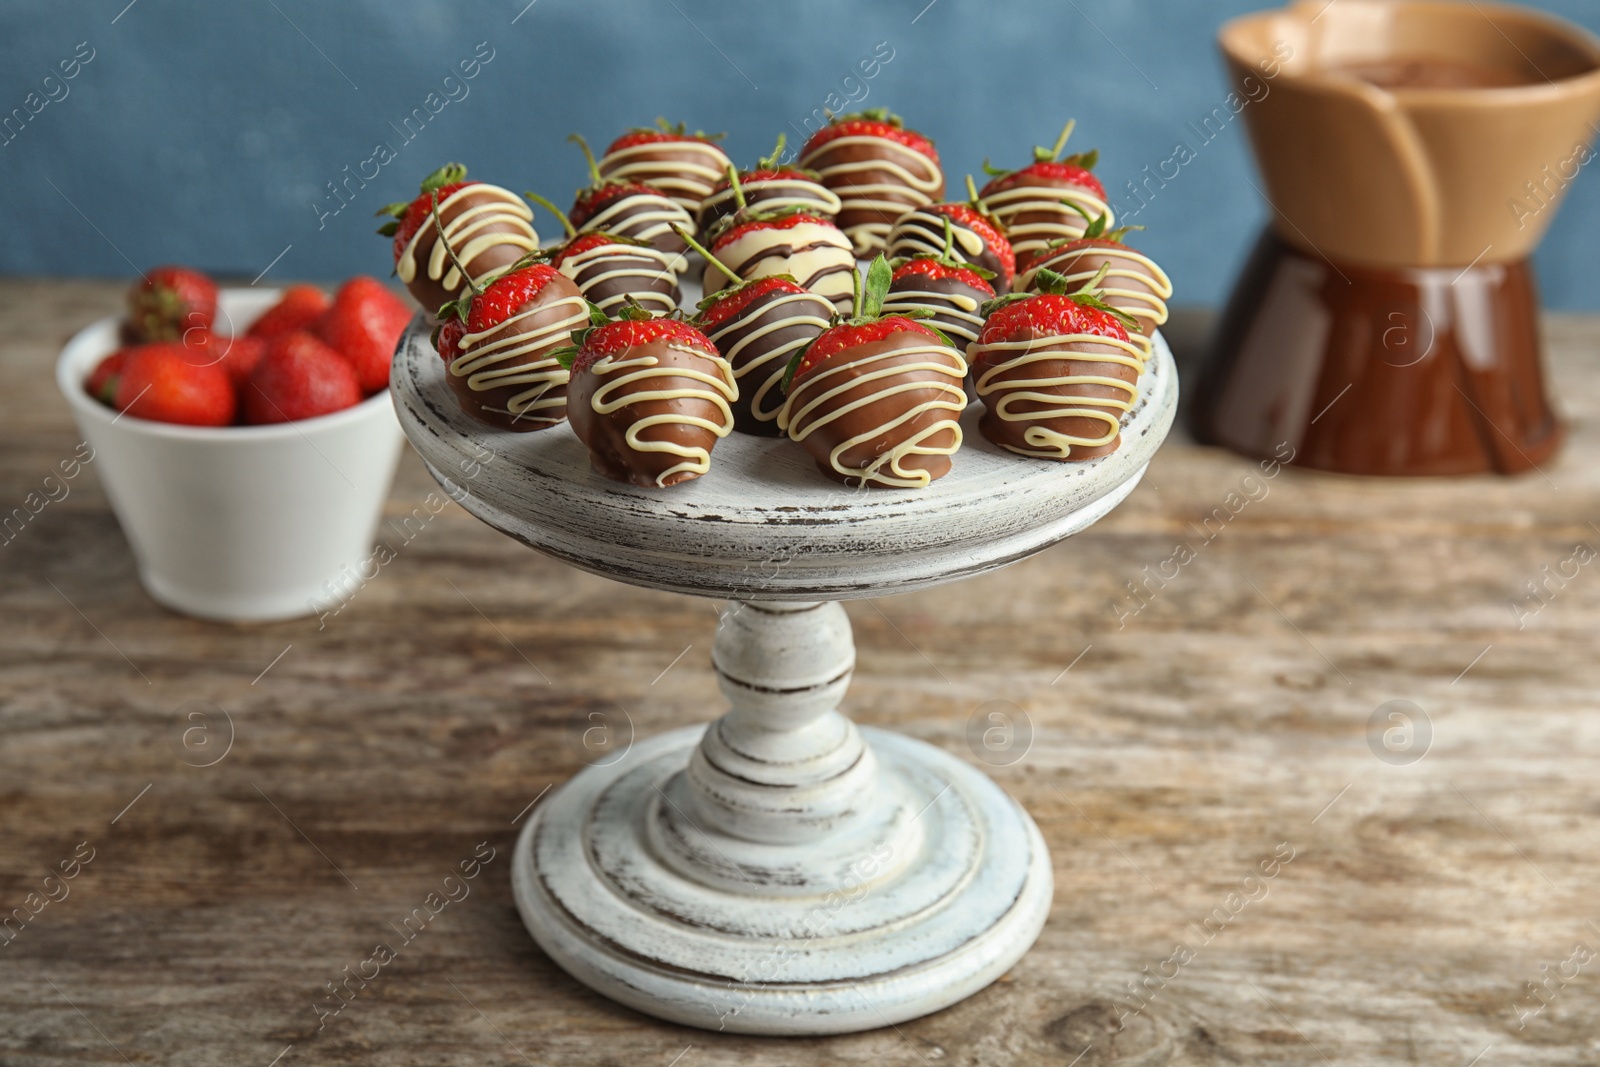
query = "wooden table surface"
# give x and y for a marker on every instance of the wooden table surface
(1177, 752)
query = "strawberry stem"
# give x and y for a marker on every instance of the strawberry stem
(566, 223)
(711, 259)
(773, 161)
(438, 226)
(1061, 142)
(738, 190)
(947, 257)
(449, 174)
(588, 157)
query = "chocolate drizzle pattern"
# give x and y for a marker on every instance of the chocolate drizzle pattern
(881, 413)
(514, 360)
(816, 254)
(1066, 393)
(610, 273)
(955, 305)
(487, 227)
(684, 170)
(758, 343)
(1033, 215)
(877, 180)
(644, 217)
(665, 393)
(770, 194)
(1135, 284)
(921, 233)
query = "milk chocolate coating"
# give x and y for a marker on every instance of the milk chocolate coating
(491, 405)
(946, 312)
(1006, 433)
(919, 232)
(818, 257)
(1089, 261)
(761, 389)
(631, 274)
(431, 293)
(607, 435)
(821, 442)
(835, 153)
(629, 216)
(721, 202)
(650, 163)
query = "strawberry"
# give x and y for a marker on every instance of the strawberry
(168, 302)
(296, 309)
(1050, 314)
(578, 245)
(661, 133)
(619, 335)
(1049, 173)
(447, 338)
(770, 185)
(876, 399)
(506, 295)
(934, 270)
(102, 381)
(168, 381)
(753, 224)
(723, 306)
(593, 200)
(363, 325)
(872, 123)
(1046, 201)
(235, 355)
(300, 377)
(680, 164)
(409, 216)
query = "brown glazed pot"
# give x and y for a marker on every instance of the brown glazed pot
(1414, 152)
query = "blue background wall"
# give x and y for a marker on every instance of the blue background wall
(208, 132)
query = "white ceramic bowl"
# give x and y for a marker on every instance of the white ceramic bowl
(239, 523)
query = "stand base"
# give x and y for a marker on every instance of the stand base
(932, 891)
(1427, 371)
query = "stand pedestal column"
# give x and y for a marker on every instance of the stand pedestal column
(782, 871)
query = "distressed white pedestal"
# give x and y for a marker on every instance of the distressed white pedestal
(781, 871)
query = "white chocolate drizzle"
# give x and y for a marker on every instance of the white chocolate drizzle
(518, 357)
(809, 408)
(646, 272)
(772, 364)
(1127, 265)
(642, 216)
(777, 194)
(1028, 238)
(1001, 393)
(954, 313)
(816, 255)
(685, 180)
(717, 390)
(918, 180)
(470, 234)
(921, 233)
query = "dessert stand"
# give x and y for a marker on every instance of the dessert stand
(781, 871)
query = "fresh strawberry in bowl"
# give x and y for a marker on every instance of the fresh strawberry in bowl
(267, 520)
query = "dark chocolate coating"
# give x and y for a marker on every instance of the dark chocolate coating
(606, 434)
(431, 294)
(720, 203)
(1005, 433)
(634, 273)
(761, 388)
(491, 405)
(627, 216)
(662, 164)
(919, 232)
(946, 313)
(821, 441)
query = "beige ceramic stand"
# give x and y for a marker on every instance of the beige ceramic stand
(782, 871)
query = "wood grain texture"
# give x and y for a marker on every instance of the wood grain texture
(1179, 751)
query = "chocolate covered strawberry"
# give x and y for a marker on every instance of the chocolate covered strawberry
(769, 186)
(609, 269)
(628, 209)
(681, 164)
(1133, 283)
(650, 397)
(979, 238)
(810, 249)
(1056, 372)
(501, 359)
(949, 292)
(880, 170)
(169, 302)
(877, 399)
(1047, 199)
(485, 227)
(758, 326)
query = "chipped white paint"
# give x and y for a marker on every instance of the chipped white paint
(780, 872)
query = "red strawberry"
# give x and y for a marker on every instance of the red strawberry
(582, 243)
(839, 338)
(1050, 315)
(591, 201)
(780, 222)
(936, 270)
(170, 301)
(363, 325)
(297, 309)
(506, 295)
(102, 381)
(447, 338)
(871, 124)
(239, 356)
(993, 240)
(409, 217)
(623, 334)
(300, 377)
(167, 381)
(728, 304)
(1048, 168)
(663, 135)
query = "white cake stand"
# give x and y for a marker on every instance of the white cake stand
(782, 871)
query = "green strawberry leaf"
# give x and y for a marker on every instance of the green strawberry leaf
(566, 356)
(389, 229)
(1086, 160)
(449, 174)
(879, 278)
(395, 210)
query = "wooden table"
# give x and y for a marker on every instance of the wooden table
(1182, 743)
